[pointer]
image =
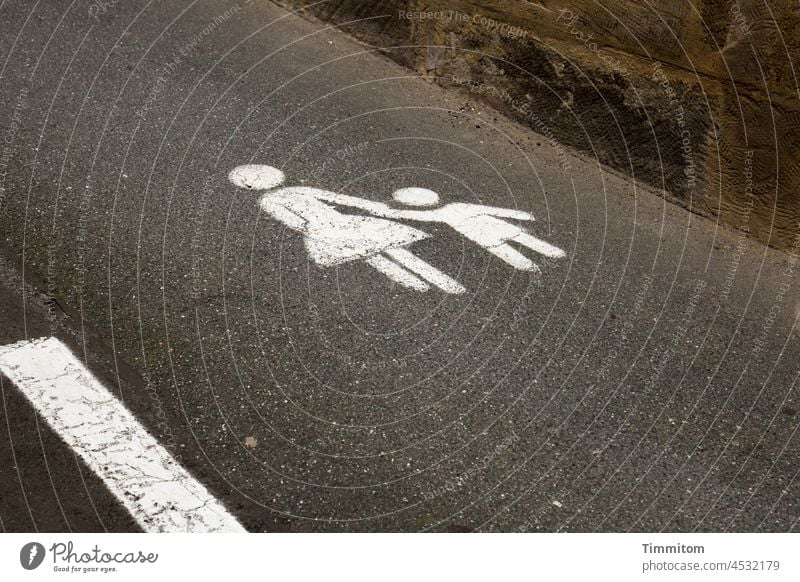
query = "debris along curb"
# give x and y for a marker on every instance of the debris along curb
(646, 90)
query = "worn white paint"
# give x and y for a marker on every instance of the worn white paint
(333, 238)
(424, 270)
(397, 273)
(481, 224)
(141, 474)
(416, 197)
(256, 177)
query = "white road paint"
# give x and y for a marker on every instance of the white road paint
(333, 238)
(256, 177)
(424, 270)
(397, 273)
(416, 197)
(141, 474)
(480, 224)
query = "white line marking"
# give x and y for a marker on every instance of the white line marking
(141, 474)
(397, 273)
(540, 246)
(435, 276)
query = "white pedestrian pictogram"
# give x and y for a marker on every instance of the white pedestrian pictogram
(333, 238)
(480, 224)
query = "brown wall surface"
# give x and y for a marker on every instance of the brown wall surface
(698, 99)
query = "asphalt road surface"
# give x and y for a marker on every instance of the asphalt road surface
(646, 381)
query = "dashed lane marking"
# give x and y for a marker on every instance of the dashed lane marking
(159, 493)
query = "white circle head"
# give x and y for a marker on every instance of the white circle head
(256, 177)
(416, 197)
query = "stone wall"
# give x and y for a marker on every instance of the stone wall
(697, 99)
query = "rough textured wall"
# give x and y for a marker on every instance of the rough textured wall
(698, 99)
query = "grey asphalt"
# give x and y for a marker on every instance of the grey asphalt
(646, 382)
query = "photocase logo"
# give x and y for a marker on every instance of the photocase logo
(31, 555)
